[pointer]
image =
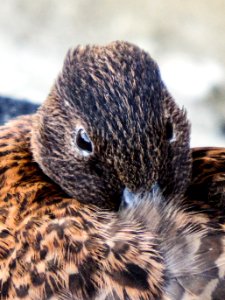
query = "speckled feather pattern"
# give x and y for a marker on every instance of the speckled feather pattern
(53, 247)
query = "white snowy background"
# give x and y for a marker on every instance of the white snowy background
(186, 37)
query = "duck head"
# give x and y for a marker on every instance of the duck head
(109, 127)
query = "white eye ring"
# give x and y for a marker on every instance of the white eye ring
(170, 134)
(83, 142)
(173, 139)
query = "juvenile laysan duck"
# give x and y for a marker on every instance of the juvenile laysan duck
(109, 133)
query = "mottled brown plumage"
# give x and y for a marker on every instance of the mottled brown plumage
(53, 246)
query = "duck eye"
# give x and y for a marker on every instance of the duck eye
(169, 131)
(83, 142)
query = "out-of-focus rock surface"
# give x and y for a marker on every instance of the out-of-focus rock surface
(185, 37)
(12, 108)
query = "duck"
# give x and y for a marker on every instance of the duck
(109, 132)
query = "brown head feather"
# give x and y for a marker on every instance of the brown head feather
(137, 134)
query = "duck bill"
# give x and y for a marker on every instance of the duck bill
(129, 198)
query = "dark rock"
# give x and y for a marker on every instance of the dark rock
(11, 108)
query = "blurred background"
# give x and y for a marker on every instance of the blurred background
(186, 38)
